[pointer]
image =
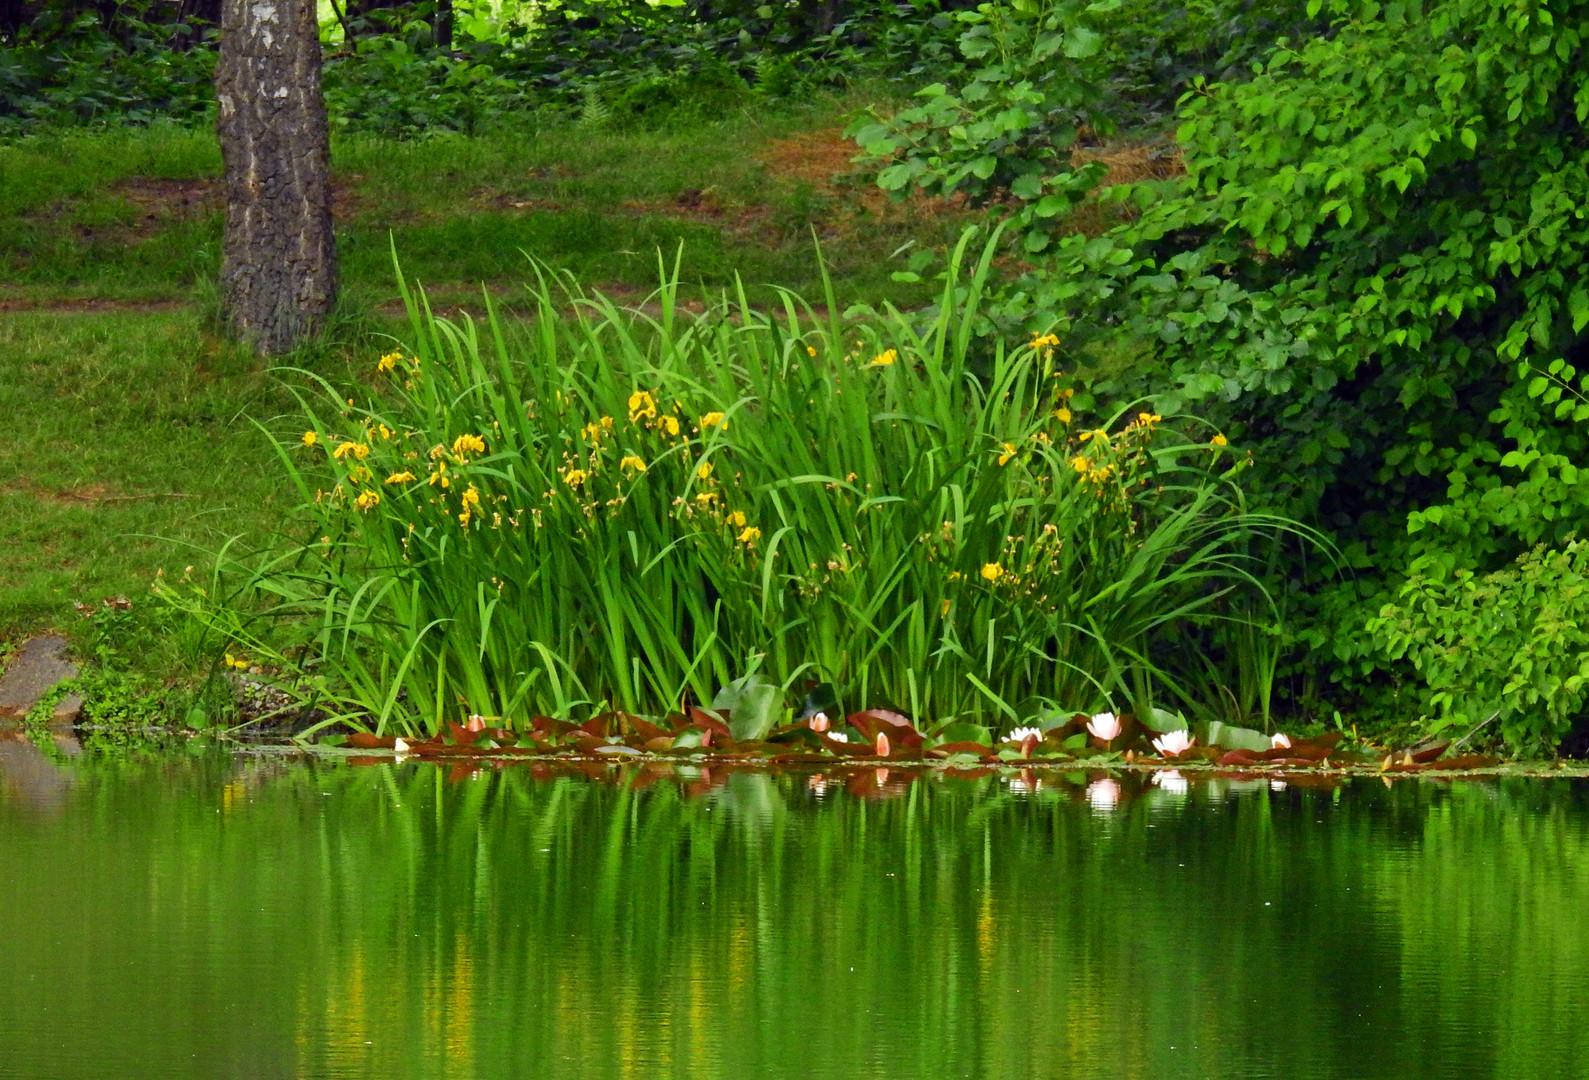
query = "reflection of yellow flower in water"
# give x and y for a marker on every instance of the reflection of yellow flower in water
(404, 477)
(310, 438)
(631, 461)
(749, 535)
(885, 358)
(992, 571)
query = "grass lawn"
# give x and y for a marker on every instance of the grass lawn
(131, 443)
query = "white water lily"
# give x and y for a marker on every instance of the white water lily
(1174, 743)
(838, 736)
(1281, 741)
(1105, 726)
(1021, 734)
(1170, 780)
(1104, 795)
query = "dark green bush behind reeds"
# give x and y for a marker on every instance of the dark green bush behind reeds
(632, 506)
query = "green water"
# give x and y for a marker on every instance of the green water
(202, 915)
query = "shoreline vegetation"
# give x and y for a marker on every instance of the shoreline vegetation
(1006, 364)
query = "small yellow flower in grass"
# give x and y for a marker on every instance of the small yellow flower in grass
(310, 438)
(357, 449)
(811, 351)
(955, 575)
(1062, 414)
(632, 461)
(885, 358)
(467, 444)
(705, 498)
(749, 535)
(591, 432)
(1219, 440)
(389, 362)
(400, 478)
(1080, 463)
(471, 497)
(367, 500)
(385, 432)
(992, 571)
(1009, 452)
(669, 424)
(736, 519)
(943, 609)
(704, 470)
(1147, 419)
(575, 477)
(711, 420)
(641, 406)
(1039, 342)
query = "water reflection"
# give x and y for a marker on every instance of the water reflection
(214, 916)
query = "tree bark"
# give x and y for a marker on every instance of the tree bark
(278, 257)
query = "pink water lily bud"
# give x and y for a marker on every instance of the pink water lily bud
(1281, 741)
(883, 749)
(1105, 726)
(818, 721)
(475, 723)
(1174, 743)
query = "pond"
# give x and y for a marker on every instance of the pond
(204, 914)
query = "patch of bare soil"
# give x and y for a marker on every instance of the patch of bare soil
(86, 305)
(90, 495)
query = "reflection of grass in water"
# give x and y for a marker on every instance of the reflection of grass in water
(988, 935)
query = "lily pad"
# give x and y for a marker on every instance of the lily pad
(752, 704)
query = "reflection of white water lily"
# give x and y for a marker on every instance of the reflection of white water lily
(1173, 743)
(1021, 734)
(818, 721)
(1104, 794)
(1277, 785)
(1105, 726)
(1171, 781)
(838, 736)
(1281, 741)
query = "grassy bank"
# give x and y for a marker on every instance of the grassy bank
(131, 433)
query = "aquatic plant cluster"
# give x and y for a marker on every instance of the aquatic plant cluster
(631, 509)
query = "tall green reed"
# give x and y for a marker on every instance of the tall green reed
(630, 507)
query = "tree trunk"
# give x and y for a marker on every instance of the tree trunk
(278, 258)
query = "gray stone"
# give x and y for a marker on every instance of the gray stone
(34, 671)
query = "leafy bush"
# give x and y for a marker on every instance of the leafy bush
(1510, 646)
(1371, 270)
(644, 507)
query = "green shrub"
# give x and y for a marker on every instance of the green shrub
(635, 506)
(1511, 646)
